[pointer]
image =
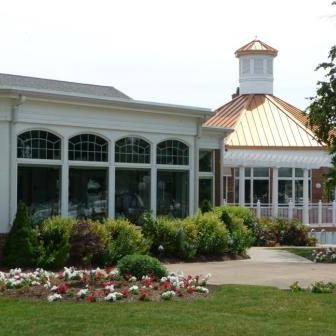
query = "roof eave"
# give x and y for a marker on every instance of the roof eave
(185, 110)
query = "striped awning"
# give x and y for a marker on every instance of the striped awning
(294, 159)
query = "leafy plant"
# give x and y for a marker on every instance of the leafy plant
(124, 238)
(55, 235)
(171, 237)
(212, 235)
(206, 206)
(22, 246)
(87, 243)
(141, 265)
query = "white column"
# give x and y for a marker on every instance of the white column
(13, 174)
(221, 168)
(334, 212)
(305, 216)
(191, 180)
(196, 174)
(275, 192)
(111, 182)
(65, 180)
(153, 179)
(242, 186)
(319, 212)
(258, 209)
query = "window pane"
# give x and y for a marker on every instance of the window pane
(298, 172)
(38, 145)
(38, 188)
(133, 150)
(172, 152)
(247, 172)
(247, 191)
(285, 191)
(132, 193)
(236, 191)
(88, 193)
(88, 147)
(173, 193)
(205, 191)
(285, 172)
(205, 161)
(299, 192)
(260, 172)
(261, 191)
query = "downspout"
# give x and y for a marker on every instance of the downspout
(12, 157)
(196, 163)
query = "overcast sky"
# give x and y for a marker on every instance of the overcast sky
(172, 51)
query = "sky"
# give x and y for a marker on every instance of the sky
(170, 51)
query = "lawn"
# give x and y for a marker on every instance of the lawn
(305, 252)
(231, 310)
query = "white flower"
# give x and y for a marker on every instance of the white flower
(54, 297)
(202, 289)
(113, 296)
(134, 289)
(82, 292)
(110, 288)
(53, 288)
(167, 295)
(132, 279)
(35, 283)
(163, 279)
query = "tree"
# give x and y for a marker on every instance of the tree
(322, 111)
(22, 247)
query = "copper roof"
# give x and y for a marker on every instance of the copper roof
(256, 47)
(262, 120)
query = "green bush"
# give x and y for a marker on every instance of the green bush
(87, 242)
(212, 235)
(248, 217)
(22, 246)
(171, 237)
(141, 265)
(55, 235)
(206, 206)
(124, 238)
(240, 237)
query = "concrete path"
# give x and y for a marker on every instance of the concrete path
(267, 267)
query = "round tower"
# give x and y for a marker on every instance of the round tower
(256, 67)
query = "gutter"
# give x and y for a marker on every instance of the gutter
(144, 106)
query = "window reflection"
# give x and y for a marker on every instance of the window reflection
(132, 193)
(173, 193)
(88, 193)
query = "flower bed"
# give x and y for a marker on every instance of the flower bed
(99, 285)
(326, 255)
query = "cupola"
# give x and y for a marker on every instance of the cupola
(256, 67)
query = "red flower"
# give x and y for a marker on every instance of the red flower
(125, 293)
(190, 290)
(91, 298)
(62, 288)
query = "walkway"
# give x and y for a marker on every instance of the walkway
(267, 266)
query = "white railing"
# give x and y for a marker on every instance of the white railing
(315, 214)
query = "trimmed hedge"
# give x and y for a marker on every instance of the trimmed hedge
(141, 265)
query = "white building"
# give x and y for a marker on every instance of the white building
(88, 150)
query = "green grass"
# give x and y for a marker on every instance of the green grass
(231, 310)
(302, 252)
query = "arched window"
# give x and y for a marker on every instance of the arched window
(38, 144)
(172, 152)
(88, 147)
(132, 150)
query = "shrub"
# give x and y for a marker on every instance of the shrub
(22, 247)
(171, 237)
(290, 232)
(141, 265)
(240, 237)
(123, 238)
(206, 206)
(55, 236)
(212, 235)
(248, 217)
(87, 243)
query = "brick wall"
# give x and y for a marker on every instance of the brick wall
(318, 178)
